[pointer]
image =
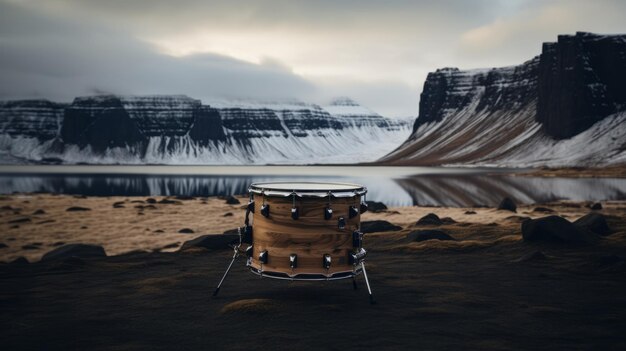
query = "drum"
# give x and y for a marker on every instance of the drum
(305, 230)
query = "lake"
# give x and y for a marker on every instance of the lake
(395, 186)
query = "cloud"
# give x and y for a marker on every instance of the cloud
(378, 52)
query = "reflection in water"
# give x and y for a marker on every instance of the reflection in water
(440, 190)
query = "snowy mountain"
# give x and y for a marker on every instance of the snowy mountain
(176, 129)
(565, 107)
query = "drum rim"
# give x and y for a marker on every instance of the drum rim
(358, 189)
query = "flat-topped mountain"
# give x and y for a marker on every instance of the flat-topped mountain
(565, 107)
(176, 129)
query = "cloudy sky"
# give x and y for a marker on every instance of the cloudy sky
(377, 52)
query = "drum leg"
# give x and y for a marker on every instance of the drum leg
(217, 290)
(369, 290)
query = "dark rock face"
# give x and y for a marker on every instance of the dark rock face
(556, 229)
(581, 81)
(508, 205)
(74, 250)
(423, 235)
(31, 118)
(378, 226)
(231, 200)
(375, 206)
(594, 222)
(212, 242)
(430, 219)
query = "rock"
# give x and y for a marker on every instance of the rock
(596, 206)
(519, 219)
(59, 243)
(170, 202)
(74, 251)
(429, 219)
(232, 231)
(543, 209)
(20, 220)
(77, 209)
(556, 229)
(228, 214)
(378, 226)
(39, 212)
(119, 204)
(594, 222)
(20, 260)
(375, 206)
(80, 196)
(137, 202)
(470, 212)
(211, 241)
(170, 246)
(448, 220)
(151, 200)
(186, 231)
(3, 245)
(508, 205)
(150, 207)
(30, 247)
(231, 200)
(533, 256)
(46, 221)
(423, 235)
(159, 231)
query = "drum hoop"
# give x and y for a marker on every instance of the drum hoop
(359, 190)
(307, 276)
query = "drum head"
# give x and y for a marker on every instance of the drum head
(313, 189)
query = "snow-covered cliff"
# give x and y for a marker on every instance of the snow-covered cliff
(566, 107)
(176, 129)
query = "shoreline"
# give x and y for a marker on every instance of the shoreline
(33, 224)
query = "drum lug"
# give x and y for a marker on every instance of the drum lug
(341, 223)
(249, 251)
(353, 211)
(265, 210)
(364, 207)
(251, 206)
(326, 261)
(328, 213)
(357, 239)
(293, 261)
(295, 213)
(263, 257)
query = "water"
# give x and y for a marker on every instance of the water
(395, 186)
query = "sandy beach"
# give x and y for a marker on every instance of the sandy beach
(488, 289)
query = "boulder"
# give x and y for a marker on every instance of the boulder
(375, 206)
(231, 200)
(543, 209)
(594, 222)
(3, 245)
(228, 214)
(470, 212)
(596, 206)
(448, 220)
(430, 219)
(378, 226)
(20, 260)
(151, 200)
(186, 231)
(423, 235)
(77, 209)
(170, 202)
(74, 250)
(39, 212)
(211, 242)
(508, 205)
(185, 197)
(556, 229)
(20, 220)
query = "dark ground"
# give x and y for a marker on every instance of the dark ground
(459, 297)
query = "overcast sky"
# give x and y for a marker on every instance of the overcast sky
(377, 52)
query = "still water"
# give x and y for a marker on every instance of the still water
(395, 186)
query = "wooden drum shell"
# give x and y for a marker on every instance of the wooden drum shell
(310, 236)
